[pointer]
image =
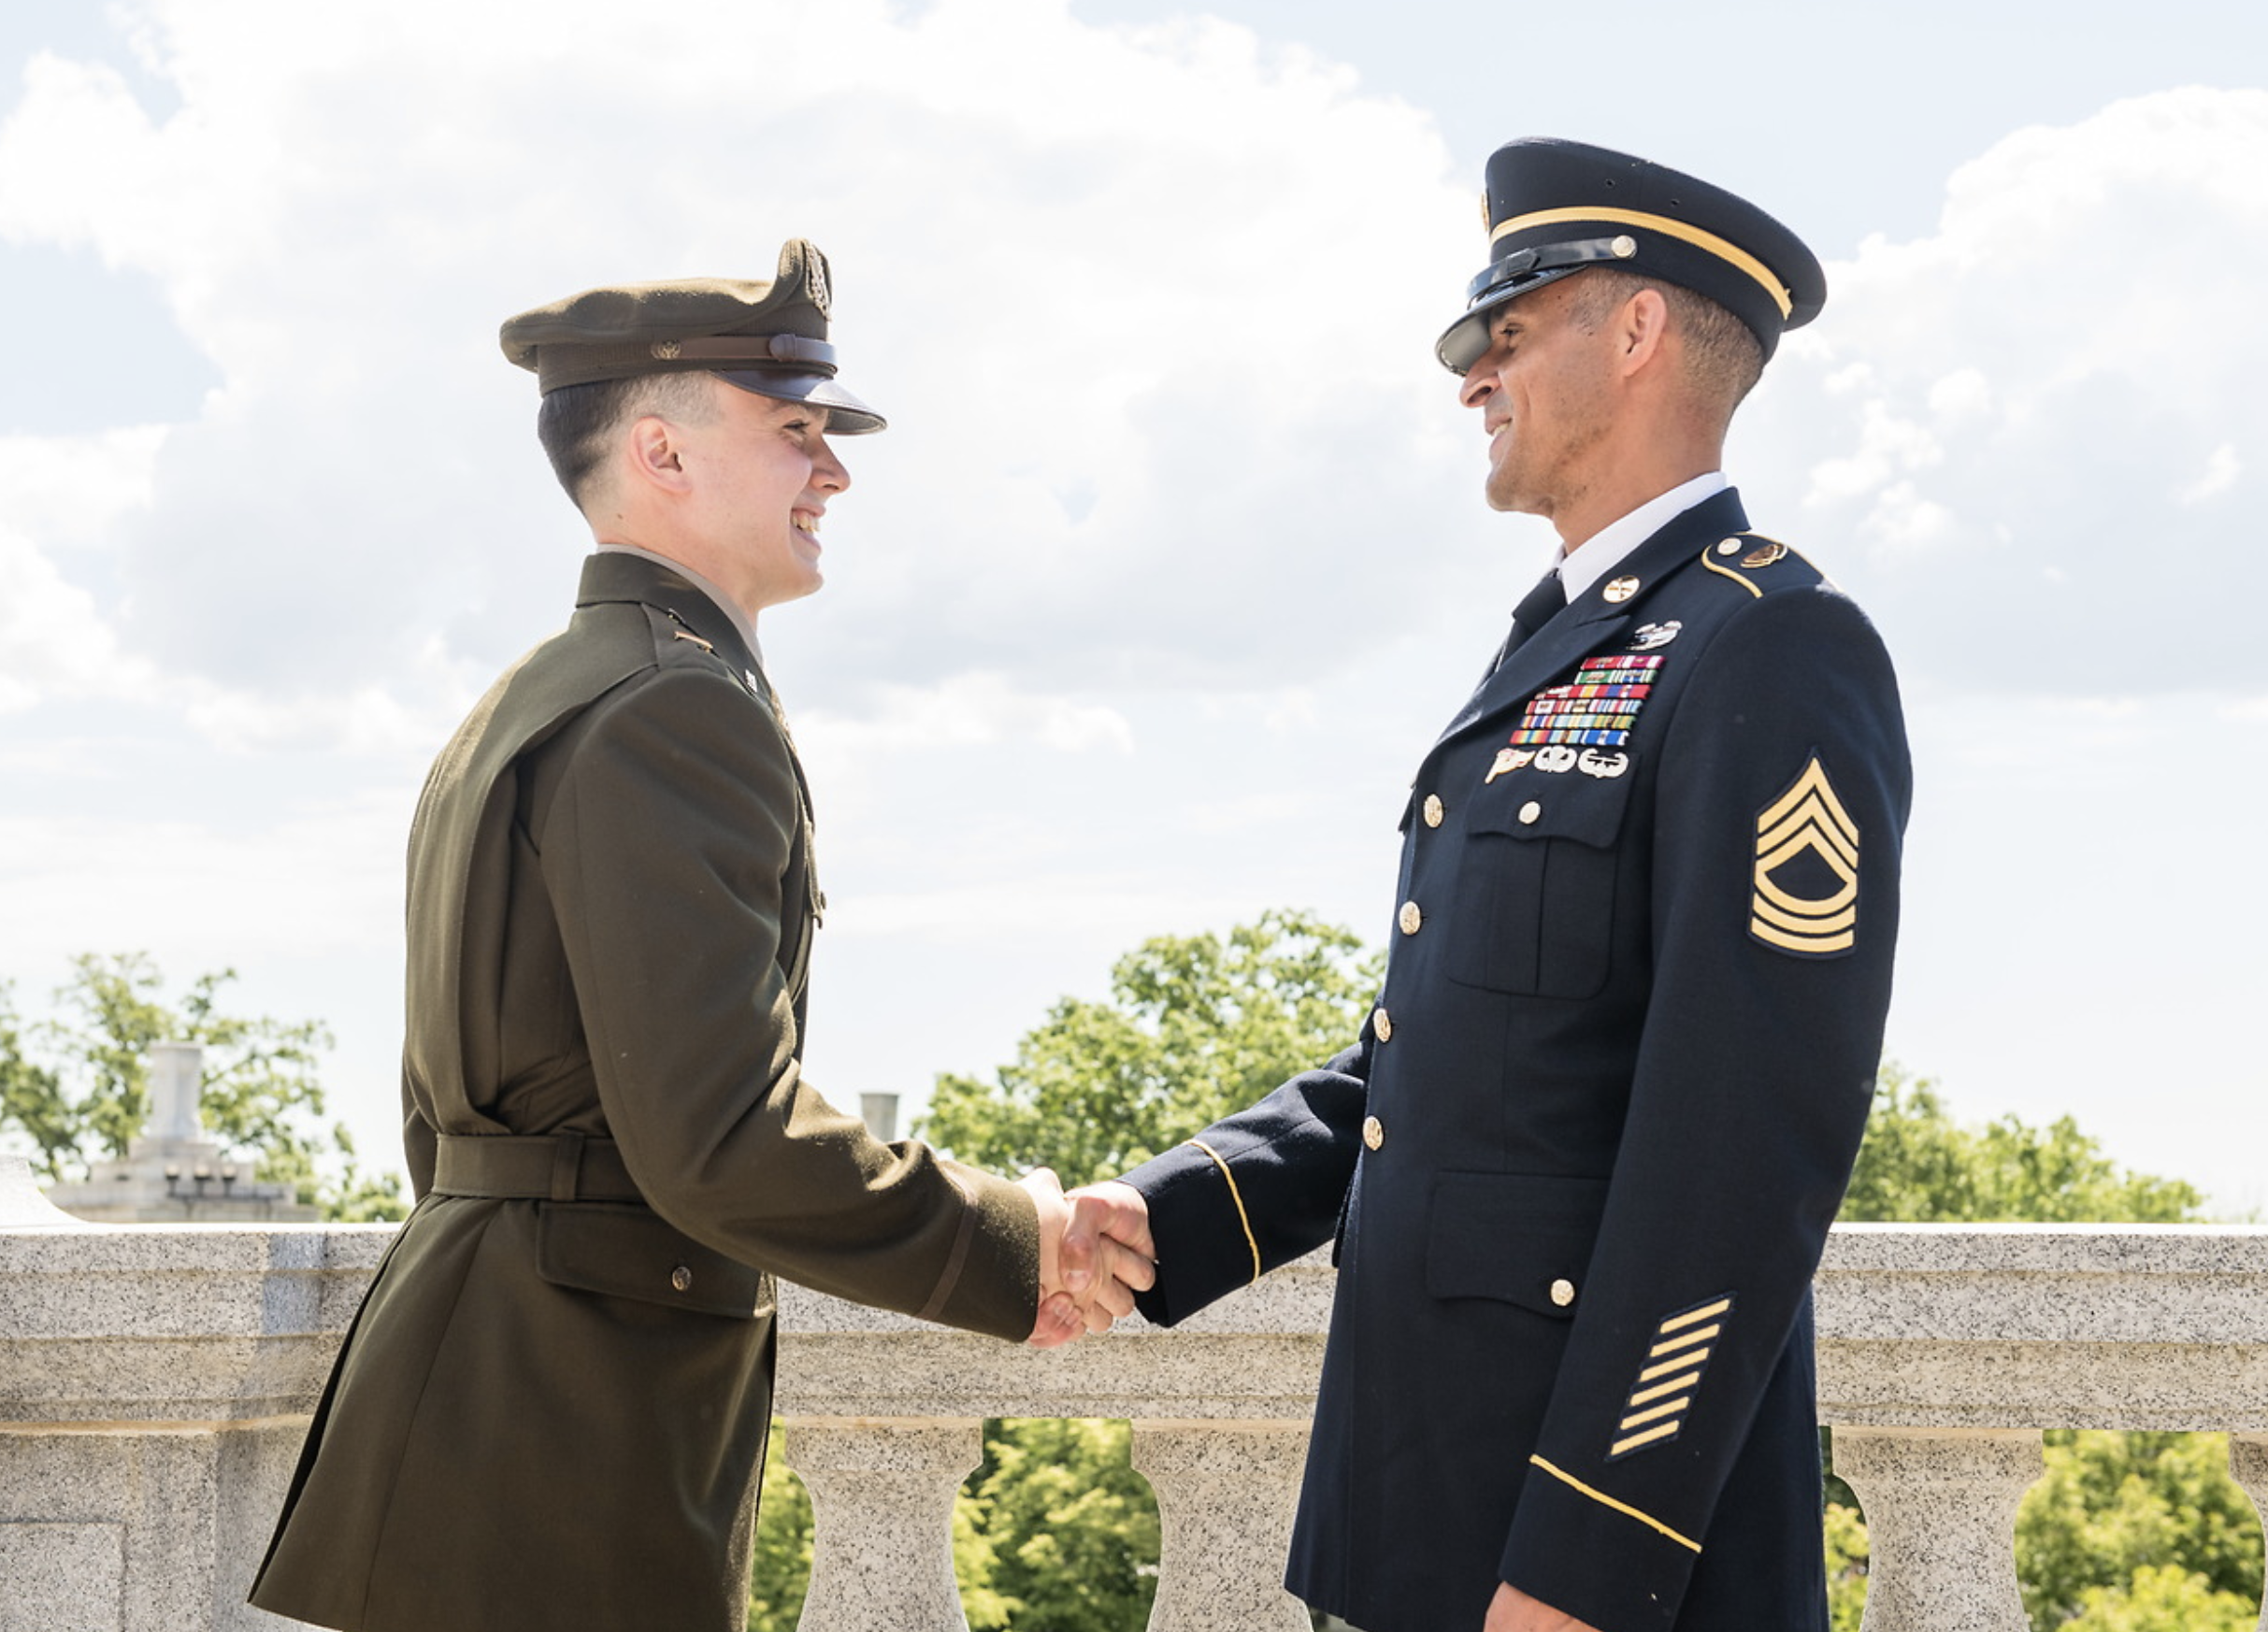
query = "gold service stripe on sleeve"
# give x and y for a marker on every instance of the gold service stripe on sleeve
(1671, 1408)
(1624, 1508)
(1686, 1381)
(1724, 249)
(1700, 1357)
(1238, 1196)
(1659, 1431)
(1672, 1346)
(1708, 1312)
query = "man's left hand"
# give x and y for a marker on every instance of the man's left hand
(1514, 1611)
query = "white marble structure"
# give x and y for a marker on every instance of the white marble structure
(154, 1386)
(173, 1174)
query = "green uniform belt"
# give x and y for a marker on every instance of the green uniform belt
(570, 1167)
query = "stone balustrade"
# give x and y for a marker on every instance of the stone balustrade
(154, 1381)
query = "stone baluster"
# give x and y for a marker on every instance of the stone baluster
(1941, 1521)
(882, 1493)
(1226, 1492)
(2248, 1466)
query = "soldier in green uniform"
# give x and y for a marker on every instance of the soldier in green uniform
(550, 1411)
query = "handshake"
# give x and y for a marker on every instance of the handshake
(1095, 1254)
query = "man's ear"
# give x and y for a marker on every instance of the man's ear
(652, 455)
(1640, 328)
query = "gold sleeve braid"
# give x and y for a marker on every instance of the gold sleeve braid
(1601, 1497)
(1238, 1196)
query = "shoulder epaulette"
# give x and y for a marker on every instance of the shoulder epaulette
(1759, 563)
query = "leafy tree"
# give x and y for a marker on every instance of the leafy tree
(1920, 1165)
(2115, 1508)
(86, 1096)
(1196, 1026)
(1072, 1527)
(2162, 1597)
(783, 1572)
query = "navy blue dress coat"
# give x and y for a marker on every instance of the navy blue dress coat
(1581, 1164)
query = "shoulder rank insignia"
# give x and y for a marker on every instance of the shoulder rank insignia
(1806, 896)
(1669, 1376)
(681, 635)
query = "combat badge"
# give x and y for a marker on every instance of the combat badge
(1654, 1411)
(1806, 900)
(1652, 636)
(1507, 759)
(1603, 765)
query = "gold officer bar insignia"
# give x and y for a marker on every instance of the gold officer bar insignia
(1814, 918)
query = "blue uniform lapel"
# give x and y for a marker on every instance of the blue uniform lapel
(1591, 620)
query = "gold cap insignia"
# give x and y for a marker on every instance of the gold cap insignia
(665, 350)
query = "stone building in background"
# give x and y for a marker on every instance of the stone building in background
(173, 1174)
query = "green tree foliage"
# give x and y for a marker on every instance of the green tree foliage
(75, 1087)
(2161, 1598)
(2127, 1528)
(783, 1572)
(1196, 1026)
(1073, 1527)
(1920, 1165)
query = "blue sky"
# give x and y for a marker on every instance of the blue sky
(1174, 557)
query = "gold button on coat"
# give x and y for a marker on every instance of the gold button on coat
(1562, 1293)
(1382, 1025)
(1530, 812)
(1373, 1132)
(1411, 917)
(680, 1279)
(1433, 810)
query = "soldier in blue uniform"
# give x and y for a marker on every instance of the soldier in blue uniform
(1581, 1163)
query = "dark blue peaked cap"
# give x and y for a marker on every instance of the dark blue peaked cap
(1554, 208)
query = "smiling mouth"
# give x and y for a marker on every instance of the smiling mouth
(804, 522)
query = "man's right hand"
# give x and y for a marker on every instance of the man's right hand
(1095, 1254)
(1109, 1234)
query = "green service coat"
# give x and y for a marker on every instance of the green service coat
(552, 1414)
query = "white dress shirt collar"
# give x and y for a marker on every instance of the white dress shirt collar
(1604, 550)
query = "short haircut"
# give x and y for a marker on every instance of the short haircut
(578, 424)
(1723, 359)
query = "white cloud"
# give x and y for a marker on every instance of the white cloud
(1098, 331)
(2007, 431)
(2221, 474)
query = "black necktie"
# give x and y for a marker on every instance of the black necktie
(1534, 611)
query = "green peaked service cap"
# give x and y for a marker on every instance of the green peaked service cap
(770, 338)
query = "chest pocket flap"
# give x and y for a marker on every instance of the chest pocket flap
(1538, 867)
